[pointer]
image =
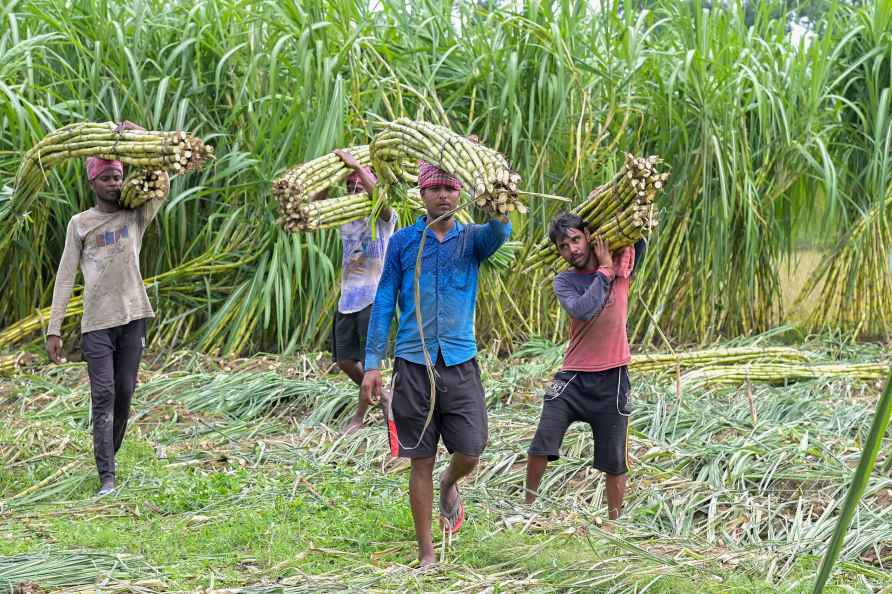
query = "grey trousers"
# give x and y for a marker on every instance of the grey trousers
(112, 357)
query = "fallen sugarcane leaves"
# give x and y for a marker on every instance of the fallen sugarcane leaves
(707, 484)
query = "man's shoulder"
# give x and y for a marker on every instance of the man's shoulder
(571, 278)
(78, 219)
(404, 234)
(79, 216)
(567, 276)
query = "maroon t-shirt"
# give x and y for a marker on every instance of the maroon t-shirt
(598, 305)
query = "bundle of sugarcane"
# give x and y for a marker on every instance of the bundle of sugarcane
(621, 211)
(143, 185)
(783, 373)
(299, 184)
(714, 357)
(331, 212)
(171, 151)
(485, 173)
(9, 364)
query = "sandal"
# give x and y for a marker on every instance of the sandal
(453, 521)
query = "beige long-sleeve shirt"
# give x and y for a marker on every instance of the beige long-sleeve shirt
(105, 246)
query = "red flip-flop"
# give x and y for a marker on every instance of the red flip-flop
(454, 521)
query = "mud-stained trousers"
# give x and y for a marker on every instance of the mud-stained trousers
(112, 357)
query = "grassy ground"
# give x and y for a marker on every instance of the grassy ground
(235, 478)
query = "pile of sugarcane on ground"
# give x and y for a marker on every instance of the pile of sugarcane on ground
(176, 152)
(484, 172)
(739, 365)
(655, 363)
(621, 211)
(9, 364)
(783, 373)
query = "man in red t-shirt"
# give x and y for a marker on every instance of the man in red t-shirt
(593, 383)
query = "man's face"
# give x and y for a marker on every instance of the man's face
(574, 248)
(107, 186)
(354, 187)
(439, 200)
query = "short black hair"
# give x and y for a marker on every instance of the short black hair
(561, 223)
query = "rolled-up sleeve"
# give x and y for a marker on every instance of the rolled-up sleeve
(587, 305)
(384, 306)
(489, 237)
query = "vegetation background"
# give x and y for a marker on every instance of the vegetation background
(775, 141)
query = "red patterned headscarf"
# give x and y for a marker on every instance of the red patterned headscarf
(97, 166)
(429, 175)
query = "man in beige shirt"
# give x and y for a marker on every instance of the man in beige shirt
(104, 242)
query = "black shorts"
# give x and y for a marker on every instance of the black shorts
(459, 411)
(599, 398)
(348, 333)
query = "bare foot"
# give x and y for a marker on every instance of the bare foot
(352, 427)
(427, 561)
(448, 497)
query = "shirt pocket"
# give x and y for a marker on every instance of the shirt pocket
(459, 275)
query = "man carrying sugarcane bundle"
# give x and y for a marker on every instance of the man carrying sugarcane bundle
(593, 383)
(104, 242)
(447, 285)
(363, 262)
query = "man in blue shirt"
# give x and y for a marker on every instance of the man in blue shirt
(448, 293)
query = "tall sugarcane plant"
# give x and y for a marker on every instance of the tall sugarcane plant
(763, 136)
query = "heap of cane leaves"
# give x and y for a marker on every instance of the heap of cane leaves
(621, 211)
(713, 493)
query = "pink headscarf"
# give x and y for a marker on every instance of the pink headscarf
(97, 166)
(355, 179)
(430, 175)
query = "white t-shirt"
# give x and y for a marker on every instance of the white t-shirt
(363, 261)
(105, 246)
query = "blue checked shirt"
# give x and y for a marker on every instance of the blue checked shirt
(448, 287)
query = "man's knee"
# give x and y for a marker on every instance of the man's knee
(422, 470)
(102, 395)
(423, 464)
(346, 364)
(465, 460)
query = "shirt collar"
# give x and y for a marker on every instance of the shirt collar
(421, 223)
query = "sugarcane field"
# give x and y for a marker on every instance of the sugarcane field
(479, 296)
